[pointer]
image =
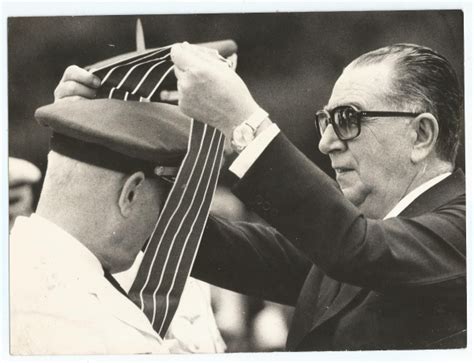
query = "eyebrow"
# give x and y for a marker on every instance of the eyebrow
(357, 105)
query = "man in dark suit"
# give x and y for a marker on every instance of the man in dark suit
(376, 261)
(385, 259)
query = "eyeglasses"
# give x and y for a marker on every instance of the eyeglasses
(346, 120)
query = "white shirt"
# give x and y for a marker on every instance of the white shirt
(62, 304)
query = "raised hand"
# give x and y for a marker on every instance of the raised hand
(209, 89)
(76, 83)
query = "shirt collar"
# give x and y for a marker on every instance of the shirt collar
(415, 193)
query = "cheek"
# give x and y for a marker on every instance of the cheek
(383, 165)
(148, 222)
(380, 152)
(372, 170)
(151, 212)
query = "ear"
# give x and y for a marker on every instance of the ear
(426, 129)
(129, 192)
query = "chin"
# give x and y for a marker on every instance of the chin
(361, 199)
(356, 197)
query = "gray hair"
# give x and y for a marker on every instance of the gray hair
(427, 82)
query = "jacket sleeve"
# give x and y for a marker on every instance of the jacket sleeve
(424, 253)
(251, 259)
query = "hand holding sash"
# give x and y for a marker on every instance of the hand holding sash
(209, 89)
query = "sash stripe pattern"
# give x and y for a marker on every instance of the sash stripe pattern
(173, 245)
(140, 76)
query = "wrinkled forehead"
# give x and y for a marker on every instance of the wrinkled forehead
(365, 86)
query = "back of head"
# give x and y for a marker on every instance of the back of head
(425, 82)
(78, 188)
(109, 211)
(109, 172)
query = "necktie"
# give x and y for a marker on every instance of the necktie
(170, 253)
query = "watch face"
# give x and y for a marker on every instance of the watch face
(242, 136)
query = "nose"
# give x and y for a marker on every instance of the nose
(330, 142)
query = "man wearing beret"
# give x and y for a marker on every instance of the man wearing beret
(99, 203)
(376, 261)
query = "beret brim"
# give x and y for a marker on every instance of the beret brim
(153, 132)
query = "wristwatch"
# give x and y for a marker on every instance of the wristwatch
(244, 134)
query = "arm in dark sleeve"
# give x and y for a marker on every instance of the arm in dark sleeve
(252, 259)
(425, 252)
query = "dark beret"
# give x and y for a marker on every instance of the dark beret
(152, 132)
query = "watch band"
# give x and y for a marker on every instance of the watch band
(244, 134)
(256, 119)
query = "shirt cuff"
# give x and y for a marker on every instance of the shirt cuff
(250, 154)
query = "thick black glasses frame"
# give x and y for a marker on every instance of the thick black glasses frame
(358, 115)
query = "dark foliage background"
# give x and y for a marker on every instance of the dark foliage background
(290, 61)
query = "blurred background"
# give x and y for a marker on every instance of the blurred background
(289, 61)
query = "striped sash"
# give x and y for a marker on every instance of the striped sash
(137, 77)
(175, 239)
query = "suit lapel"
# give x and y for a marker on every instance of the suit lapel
(302, 320)
(438, 195)
(323, 298)
(346, 294)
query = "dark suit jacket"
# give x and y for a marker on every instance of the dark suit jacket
(357, 283)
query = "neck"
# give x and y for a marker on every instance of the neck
(428, 172)
(87, 226)
(377, 205)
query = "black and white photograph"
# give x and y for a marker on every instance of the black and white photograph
(215, 183)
